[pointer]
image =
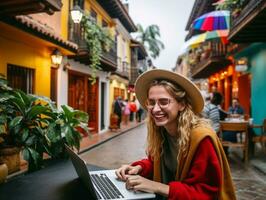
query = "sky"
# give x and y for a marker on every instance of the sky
(171, 16)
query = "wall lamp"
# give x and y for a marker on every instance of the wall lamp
(76, 14)
(56, 58)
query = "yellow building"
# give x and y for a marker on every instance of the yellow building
(27, 42)
(29, 38)
(96, 99)
(119, 79)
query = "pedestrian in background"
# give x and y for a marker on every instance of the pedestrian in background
(185, 156)
(133, 110)
(118, 106)
(211, 110)
(126, 112)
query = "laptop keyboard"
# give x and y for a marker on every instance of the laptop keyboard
(105, 186)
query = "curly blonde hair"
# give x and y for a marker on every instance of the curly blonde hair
(186, 120)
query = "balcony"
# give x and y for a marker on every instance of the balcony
(123, 69)
(249, 24)
(211, 60)
(25, 7)
(108, 58)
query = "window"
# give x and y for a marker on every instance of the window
(80, 3)
(22, 78)
(119, 92)
(104, 24)
(93, 15)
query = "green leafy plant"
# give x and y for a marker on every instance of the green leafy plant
(36, 126)
(235, 6)
(97, 40)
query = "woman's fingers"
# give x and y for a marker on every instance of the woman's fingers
(132, 171)
(132, 181)
(118, 174)
(122, 171)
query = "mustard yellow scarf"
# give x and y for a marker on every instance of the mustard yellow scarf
(227, 191)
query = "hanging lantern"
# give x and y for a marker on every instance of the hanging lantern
(76, 14)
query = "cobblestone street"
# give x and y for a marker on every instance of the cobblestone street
(250, 184)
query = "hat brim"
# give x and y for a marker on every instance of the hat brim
(144, 80)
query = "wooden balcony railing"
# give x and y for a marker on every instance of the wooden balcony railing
(210, 61)
(248, 23)
(123, 68)
(108, 58)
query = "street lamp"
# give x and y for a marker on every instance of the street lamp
(76, 14)
(56, 57)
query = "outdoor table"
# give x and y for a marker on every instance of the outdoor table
(58, 181)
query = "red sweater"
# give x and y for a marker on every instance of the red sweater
(204, 177)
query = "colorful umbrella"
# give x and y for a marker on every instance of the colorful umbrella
(209, 35)
(216, 20)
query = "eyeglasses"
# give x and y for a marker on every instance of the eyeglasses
(162, 102)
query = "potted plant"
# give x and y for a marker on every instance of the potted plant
(9, 154)
(35, 126)
(3, 172)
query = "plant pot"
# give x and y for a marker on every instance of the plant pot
(10, 156)
(3, 172)
(113, 122)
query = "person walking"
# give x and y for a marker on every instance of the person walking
(118, 110)
(185, 157)
(139, 111)
(133, 110)
(126, 111)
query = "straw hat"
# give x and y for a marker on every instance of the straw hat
(145, 79)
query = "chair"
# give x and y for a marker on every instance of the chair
(261, 138)
(242, 129)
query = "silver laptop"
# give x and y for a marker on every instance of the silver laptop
(103, 184)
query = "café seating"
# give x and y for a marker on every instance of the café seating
(262, 137)
(242, 129)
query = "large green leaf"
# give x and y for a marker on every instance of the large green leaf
(35, 155)
(35, 110)
(81, 116)
(31, 140)
(68, 135)
(68, 112)
(18, 104)
(15, 122)
(25, 135)
(3, 119)
(26, 154)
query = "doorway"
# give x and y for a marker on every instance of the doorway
(244, 91)
(103, 107)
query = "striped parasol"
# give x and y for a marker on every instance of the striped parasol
(209, 35)
(216, 20)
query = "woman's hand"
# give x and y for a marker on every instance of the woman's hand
(125, 170)
(139, 183)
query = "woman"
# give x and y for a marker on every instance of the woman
(185, 158)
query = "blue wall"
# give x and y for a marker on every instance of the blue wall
(258, 86)
(256, 54)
